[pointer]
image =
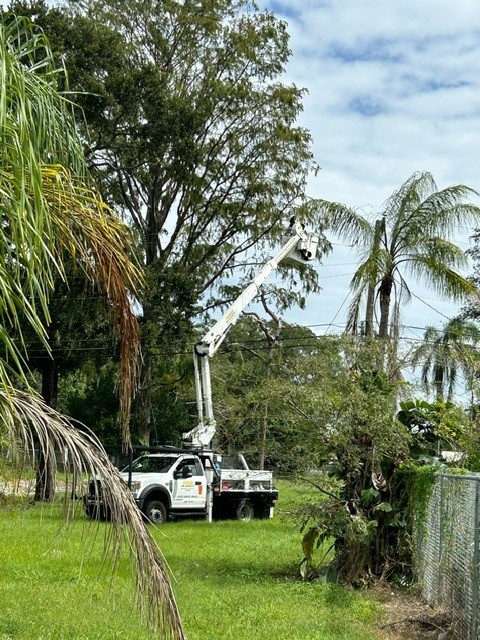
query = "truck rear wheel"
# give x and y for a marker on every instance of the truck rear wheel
(244, 511)
(156, 512)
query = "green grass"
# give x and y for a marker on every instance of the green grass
(231, 579)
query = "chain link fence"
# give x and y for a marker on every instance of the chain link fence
(447, 550)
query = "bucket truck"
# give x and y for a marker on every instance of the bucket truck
(194, 480)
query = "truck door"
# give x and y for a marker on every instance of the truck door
(189, 484)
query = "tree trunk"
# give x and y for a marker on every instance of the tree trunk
(45, 476)
(385, 297)
(438, 382)
(144, 396)
(369, 312)
(145, 402)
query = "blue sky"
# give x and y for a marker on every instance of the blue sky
(393, 88)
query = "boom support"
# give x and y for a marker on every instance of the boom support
(299, 249)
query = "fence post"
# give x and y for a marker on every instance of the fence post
(475, 561)
(440, 545)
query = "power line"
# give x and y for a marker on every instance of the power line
(430, 306)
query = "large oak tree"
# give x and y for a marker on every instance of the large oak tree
(194, 138)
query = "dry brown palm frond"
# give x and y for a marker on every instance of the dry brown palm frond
(49, 206)
(47, 212)
(28, 421)
(102, 246)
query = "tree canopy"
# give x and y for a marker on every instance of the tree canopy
(193, 138)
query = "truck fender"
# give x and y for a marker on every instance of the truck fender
(153, 491)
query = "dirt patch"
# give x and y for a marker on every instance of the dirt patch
(407, 616)
(23, 487)
(17, 487)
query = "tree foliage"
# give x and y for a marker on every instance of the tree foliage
(256, 388)
(436, 426)
(359, 443)
(189, 125)
(365, 507)
(194, 138)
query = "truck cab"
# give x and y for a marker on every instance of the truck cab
(164, 484)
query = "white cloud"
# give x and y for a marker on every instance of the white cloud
(393, 88)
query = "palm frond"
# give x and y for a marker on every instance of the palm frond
(48, 205)
(444, 280)
(413, 191)
(28, 420)
(353, 314)
(407, 197)
(345, 222)
(405, 295)
(48, 208)
(86, 228)
(423, 351)
(445, 212)
(372, 270)
(35, 125)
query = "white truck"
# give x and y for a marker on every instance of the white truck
(180, 482)
(195, 481)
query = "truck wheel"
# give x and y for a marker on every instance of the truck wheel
(156, 512)
(244, 511)
(95, 512)
(263, 511)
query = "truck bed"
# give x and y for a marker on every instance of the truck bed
(245, 480)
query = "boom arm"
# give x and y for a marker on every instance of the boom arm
(299, 249)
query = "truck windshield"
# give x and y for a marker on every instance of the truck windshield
(153, 464)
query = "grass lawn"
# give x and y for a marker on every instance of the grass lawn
(231, 579)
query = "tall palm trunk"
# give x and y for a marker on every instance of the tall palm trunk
(439, 382)
(385, 299)
(370, 307)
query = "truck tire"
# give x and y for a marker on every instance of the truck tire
(156, 512)
(95, 512)
(262, 511)
(244, 511)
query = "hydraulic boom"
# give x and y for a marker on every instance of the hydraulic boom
(299, 248)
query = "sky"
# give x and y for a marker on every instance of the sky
(393, 88)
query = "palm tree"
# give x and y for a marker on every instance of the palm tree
(49, 208)
(412, 236)
(446, 353)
